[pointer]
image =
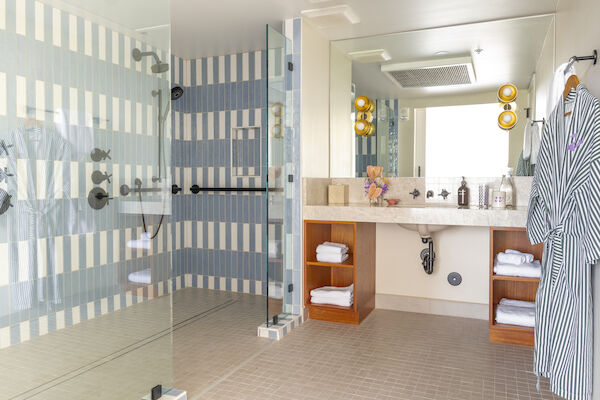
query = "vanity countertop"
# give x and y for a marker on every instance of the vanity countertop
(432, 214)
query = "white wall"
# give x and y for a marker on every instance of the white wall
(458, 249)
(315, 103)
(340, 125)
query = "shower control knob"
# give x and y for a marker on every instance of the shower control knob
(4, 201)
(4, 147)
(444, 194)
(99, 177)
(98, 155)
(98, 198)
(4, 174)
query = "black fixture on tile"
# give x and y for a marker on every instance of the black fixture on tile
(4, 201)
(430, 194)
(444, 194)
(98, 155)
(98, 198)
(175, 189)
(4, 174)
(415, 193)
(99, 177)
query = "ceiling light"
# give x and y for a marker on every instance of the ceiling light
(336, 15)
(441, 53)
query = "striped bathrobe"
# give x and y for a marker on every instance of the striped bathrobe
(564, 214)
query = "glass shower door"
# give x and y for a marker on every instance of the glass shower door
(85, 306)
(279, 164)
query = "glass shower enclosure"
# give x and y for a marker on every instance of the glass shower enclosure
(279, 173)
(85, 269)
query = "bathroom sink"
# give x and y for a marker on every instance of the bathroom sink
(424, 230)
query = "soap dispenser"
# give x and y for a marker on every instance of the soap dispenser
(507, 187)
(463, 194)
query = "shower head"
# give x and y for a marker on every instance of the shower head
(158, 68)
(176, 92)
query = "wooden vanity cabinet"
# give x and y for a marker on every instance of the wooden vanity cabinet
(511, 287)
(358, 269)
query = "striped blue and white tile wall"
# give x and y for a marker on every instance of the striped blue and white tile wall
(366, 147)
(67, 85)
(219, 140)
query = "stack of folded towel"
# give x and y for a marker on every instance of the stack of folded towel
(330, 252)
(338, 296)
(516, 312)
(515, 263)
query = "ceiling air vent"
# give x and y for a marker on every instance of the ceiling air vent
(438, 72)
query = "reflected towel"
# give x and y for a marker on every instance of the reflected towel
(333, 292)
(144, 276)
(274, 248)
(332, 248)
(527, 270)
(331, 258)
(514, 257)
(517, 303)
(515, 315)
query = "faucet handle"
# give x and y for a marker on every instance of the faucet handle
(415, 193)
(444, 194)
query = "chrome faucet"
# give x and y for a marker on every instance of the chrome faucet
(415, 193)
(444, 194)
(430, 194)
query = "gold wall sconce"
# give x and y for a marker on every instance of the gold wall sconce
(364, 116)
(507, 94)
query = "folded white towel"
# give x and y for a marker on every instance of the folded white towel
(517, 303)
(332, 248)
(514, 258)
(333, 292)
(274, 248)
(527, 270)
(335, 302)
(515, 315)
(331, 258)
(144, 276)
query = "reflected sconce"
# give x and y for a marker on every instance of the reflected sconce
(364, 128)
(507, 94)
(364, 116)
(277, 128)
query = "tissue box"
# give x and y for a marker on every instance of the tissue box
(337, 194)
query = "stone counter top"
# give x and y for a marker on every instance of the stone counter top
(417, 214)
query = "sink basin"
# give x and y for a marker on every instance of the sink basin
(424, 230)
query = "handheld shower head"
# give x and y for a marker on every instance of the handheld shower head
(158, 68)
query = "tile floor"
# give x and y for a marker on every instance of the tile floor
(214, 353)
(391, 355)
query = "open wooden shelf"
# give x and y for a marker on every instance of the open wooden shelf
(358, 269)
(514, 278)
(511, 287)
(349, 263)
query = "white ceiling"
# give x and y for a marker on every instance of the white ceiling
(511, 49)
(201, 28)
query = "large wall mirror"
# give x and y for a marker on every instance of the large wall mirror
(436, 98)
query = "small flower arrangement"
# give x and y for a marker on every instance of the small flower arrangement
(375, 184)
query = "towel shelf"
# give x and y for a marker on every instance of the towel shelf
(511, 287)
(358, 269)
